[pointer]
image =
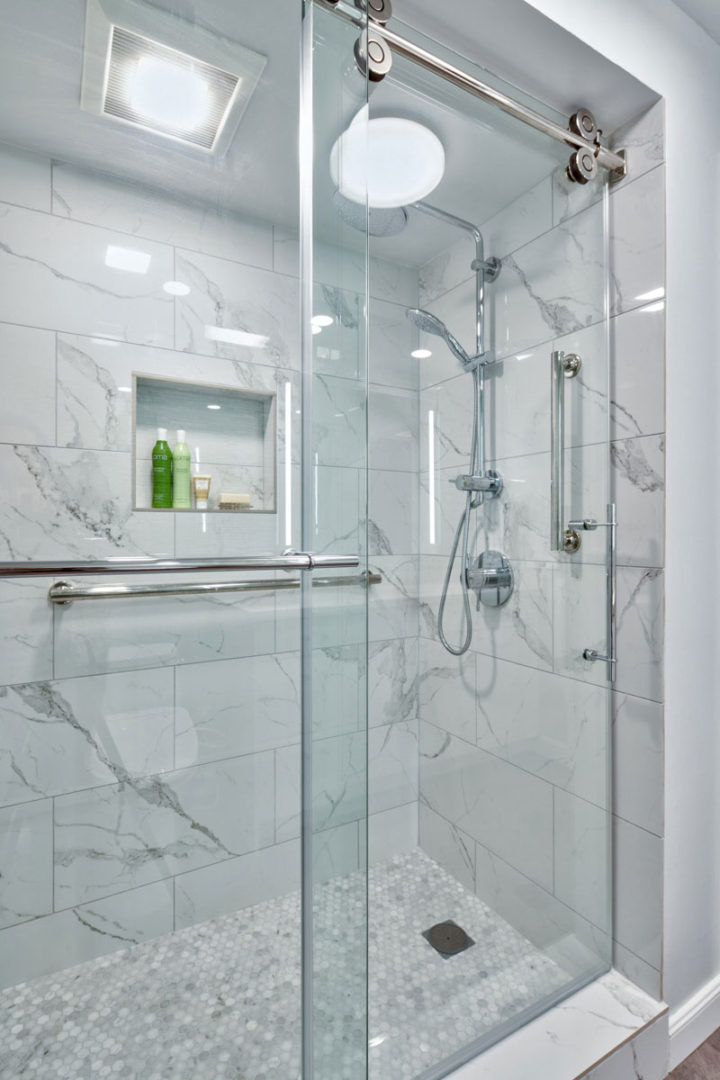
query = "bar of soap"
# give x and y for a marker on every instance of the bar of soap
(230, 500)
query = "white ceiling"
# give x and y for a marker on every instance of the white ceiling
(491, 159)
(705, 12)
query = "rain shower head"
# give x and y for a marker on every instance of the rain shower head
(428, 323)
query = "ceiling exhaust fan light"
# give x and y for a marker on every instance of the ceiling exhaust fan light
(168, 95)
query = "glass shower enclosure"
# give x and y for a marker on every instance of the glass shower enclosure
(310, 781)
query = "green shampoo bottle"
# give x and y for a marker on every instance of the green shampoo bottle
(181, 474)
(162, 467)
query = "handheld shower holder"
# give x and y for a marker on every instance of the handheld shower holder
(490, 483)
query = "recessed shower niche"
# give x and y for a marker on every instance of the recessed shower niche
(231, 434)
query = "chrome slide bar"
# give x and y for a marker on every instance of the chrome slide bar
(66, 592)
(294, 560)
(616, 163)
(589, 525)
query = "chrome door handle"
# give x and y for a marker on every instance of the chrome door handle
(590, 525)
(562, 366)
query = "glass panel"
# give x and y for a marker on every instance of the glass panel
(150, 914)
(489, 770)
(334, 619)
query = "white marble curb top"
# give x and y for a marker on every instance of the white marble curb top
(566, 1042)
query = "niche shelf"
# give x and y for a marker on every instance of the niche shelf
(231, 433)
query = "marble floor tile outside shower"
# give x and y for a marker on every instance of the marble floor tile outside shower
(222, 999)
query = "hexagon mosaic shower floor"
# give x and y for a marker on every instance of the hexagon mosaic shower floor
(221, 1001)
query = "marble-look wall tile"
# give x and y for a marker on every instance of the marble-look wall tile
(446, 689)
(580, 621)
(447, 270)
(26, 641)
(339, 782)
(522, 630)
(643, 140)
(115, 838)
(393, 681)
(340, 409)
(638, 372)
(59, 737)
(570, 198)
(24, 178)
(56, 277)
(27, 370)
(106, 636)
(393, 429)
(69, 503)
(26, 882)
(640, 633)
(392, 765)
(226, 296)
(637, 971)
(393, 604)
(339, 497)
(393, 513)
(507, 810)
(236, 707)
(238, 883)
(557, 729)
(84, 933)
(339, 697)
(644, 1056)
(582, 858)
(447, 409)
(638, 476)
(637, 238)
(392, 340)
(102, 199)
(337, 852)
(95, 380)
(393, 832)
(449, 846)
(521, 222)
(339, 348)
(638, 875)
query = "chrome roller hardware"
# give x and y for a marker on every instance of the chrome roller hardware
(380, 11)
(583, 124)
(372, 55)
(492, 578)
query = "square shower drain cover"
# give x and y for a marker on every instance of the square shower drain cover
(448, 939)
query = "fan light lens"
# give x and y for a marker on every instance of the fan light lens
(167, 94)
(421, 354)
(387, 161)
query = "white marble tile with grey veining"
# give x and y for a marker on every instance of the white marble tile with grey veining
(552, 287)
(393, 604)
(638, 762)
(583, 869)
(580, 621)
(446, 270)
(24, 178)
(643, 140)
(557, 729)
(392, 341)
(235, 884)
(140, 210)
(67, 735)
(95, 388)
(74, 503)
(447, 692)
(393, 513)
(26, 633)
(643, 1058)
(393, 681)
(393, 429)
(86, 932)
(339, 783)
(447, 410)
(392, 832)
(337, 526)
(339, 690)
(339, 421)
(637, 238)
(638, 890)
(520, 631)
(107, 636)
(518, 224)
(79, 271)
(448, 845)
(441, 507)
(27, 370)
(518, 521)
(115, 838)
(639, 486)
(340, 347)
(637, 971)
(504, 808)
(640, 632)
(26, 854)
(234, 707)
(638, 372)
(570, 198)
(236, 312)
(393, 764)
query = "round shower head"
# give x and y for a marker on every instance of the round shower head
(377, 220)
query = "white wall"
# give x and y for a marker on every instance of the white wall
(659, 44)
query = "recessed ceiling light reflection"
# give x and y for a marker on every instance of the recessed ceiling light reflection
(214, 406)
(121, 258)
(317, 329)
(322, 320)
(125, 389)
(176, 288)
(421, 354)
(659, 306)
(236, 337)
(654, 294)
(523, 356)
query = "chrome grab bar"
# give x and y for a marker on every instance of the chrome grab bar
(590, 525)
(294, 560)
(562, 366)
(66, 592)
